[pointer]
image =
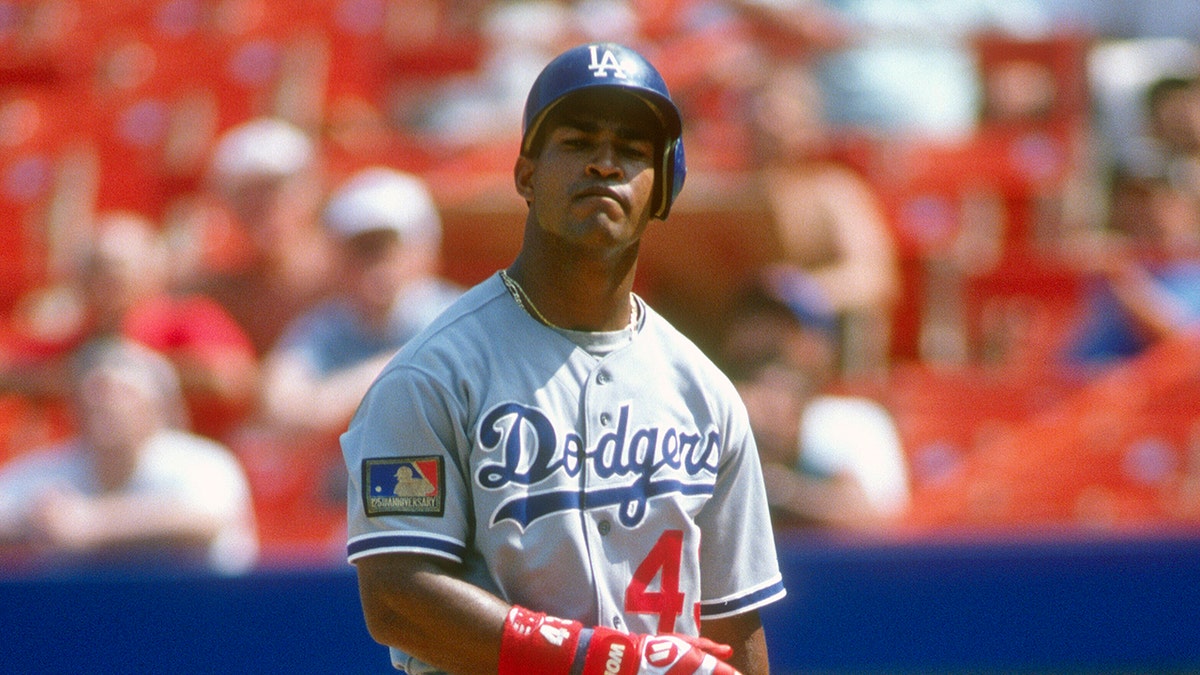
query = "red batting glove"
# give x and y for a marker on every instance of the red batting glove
(533, 642)
(612, 652)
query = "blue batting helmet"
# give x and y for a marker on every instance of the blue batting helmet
(621, 68)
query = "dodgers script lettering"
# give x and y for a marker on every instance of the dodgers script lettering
(659, 461)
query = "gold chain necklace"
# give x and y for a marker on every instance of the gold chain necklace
(524, 302)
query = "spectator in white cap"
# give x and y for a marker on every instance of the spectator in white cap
(388, 233)
(269, 175)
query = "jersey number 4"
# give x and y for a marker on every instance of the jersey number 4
(662, 562)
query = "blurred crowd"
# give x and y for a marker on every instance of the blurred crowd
(973, 300)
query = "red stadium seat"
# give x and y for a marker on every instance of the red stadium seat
(299, 497)
(1117, 453)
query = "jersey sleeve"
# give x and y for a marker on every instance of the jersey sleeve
(405, 490)
(739, 565)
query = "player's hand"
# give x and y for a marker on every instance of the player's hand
(663, 654)
(619, 653)
(535, 642)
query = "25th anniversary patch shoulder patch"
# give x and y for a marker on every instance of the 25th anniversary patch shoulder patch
(402, 486)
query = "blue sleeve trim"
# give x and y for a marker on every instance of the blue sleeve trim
(744, 603)
(409, 543)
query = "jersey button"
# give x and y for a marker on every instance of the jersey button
(604, 527)
(603, 377)
(605, 419)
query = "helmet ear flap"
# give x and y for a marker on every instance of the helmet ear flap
(673, 171)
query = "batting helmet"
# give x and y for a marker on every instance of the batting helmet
(611, 65)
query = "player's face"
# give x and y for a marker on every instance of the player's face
(593, 181)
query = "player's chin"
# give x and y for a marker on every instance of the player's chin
(602, 225)
(600, 209)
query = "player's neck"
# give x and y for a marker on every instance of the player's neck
(582, 298)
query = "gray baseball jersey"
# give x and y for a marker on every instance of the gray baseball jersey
(609, 478)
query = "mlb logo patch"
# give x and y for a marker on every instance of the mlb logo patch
(403, 486)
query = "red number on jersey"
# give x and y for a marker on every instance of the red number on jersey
(663, 562)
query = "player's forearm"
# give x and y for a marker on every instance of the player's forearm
(743, 632)
(417, 605)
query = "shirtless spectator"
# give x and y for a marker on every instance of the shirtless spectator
(834, 243)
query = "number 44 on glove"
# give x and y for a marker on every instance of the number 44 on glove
(536, 643)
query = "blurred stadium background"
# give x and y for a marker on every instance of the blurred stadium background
(1056, 518)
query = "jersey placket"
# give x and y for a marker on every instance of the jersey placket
(600, 418)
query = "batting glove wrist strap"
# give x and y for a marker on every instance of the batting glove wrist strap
(533, 642)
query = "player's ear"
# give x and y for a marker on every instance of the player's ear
(523, 177)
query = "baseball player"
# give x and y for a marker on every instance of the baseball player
(551, 478)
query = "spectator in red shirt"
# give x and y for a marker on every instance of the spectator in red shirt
(123, 290)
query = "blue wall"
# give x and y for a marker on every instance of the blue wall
(1051, 604)
(1057, 604)
(270, 622)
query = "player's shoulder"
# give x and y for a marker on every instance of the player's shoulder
(662, 332)
(673, 346)
(462, 329)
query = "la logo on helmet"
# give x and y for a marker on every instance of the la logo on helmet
(600, 65)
